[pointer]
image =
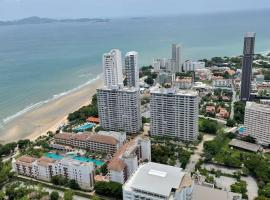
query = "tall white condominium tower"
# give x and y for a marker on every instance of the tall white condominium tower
(132, 69)
(119, 109)
(176, 64)
(257, 122)
(112, 69)
(155, 181)
(174, 113)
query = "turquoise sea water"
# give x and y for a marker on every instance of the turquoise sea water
(79, 158)
(41, 62)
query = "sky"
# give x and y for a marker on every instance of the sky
(16, 9)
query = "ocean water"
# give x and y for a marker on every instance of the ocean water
(39, 63)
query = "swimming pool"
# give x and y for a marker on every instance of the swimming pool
(79, 158)
(241, 130)
(84, 127)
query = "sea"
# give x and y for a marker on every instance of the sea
(40, 63)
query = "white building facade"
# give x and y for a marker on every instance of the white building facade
(112, 69)
(174, 113)
(155, 181)
(190, 65)
(119, 110)
(257, 122)
(45, 168)
(127, 159)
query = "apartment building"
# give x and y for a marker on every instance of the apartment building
(219, 81)
(257, 122)
(132, 69)
(103, 141)
(190, 65)
(119, 109)
(174, 113)
(126, 160)
(45, 168)
(112, 69)
(159, 182)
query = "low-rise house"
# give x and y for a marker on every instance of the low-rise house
(93, 120)
(126, 160)
(210, 109)
(222, 113)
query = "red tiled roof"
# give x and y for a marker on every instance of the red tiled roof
(64, 136)
(44, 161)
(103, 139)
(26, 159)
(116, 163)
(81, 137)
(93, 119)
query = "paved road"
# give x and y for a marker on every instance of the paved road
(194, 158)
(218, 120)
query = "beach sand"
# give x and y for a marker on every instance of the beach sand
(49, 116)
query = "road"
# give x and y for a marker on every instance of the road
(215, 119)
(194, 158)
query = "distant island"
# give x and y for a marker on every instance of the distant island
(39, 20)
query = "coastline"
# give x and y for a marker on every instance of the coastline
(48, 117)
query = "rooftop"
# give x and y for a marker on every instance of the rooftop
(206, 193)
(103, 139)
(64, 136)
(26, 159)
(245, 145)
(250, 34)
(157, 178)
(258, 107)
(173, 91)
(44, 161)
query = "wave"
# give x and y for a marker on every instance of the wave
(37, 105)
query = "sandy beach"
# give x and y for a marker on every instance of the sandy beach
(49, 116)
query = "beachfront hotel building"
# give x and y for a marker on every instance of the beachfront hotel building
(119, 109)
(132, 69)
(103, 141)
(176, 61)
(174, 113)
(257, 122)
(45, 168)
(159, 182)
(248, 53)
(127, 159)
(112, 69)
(190, 65)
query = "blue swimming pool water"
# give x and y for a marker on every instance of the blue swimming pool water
(241, 130)
(84, 127)
(79, 158)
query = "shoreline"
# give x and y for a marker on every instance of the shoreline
(49, 116)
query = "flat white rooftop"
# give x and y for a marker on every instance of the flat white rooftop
(173, 91)
(258, 107)
(155, 178)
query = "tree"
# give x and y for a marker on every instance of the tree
(239, 112)
(54, 195)
(110, 189)
(240, 187)
(73, 184)
(230, 122)
(23, 143)
(149, 81)
(266, 190)
(2, 196)
(68, 195)
(104, 169)
(208, 126)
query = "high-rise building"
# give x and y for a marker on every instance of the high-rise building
(257, 122)
(174, 113)
(159, 182)
(248, 52)
(190, 65)
(112, 69)
(176, 61)
(132, 69)
(119, 109)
